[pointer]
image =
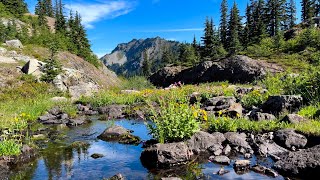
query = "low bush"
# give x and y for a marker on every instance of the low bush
(175, 121)
(254, 98)
(9, 148)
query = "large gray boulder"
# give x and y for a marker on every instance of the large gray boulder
(33, 67)
(282, 103)
(166, 155)
(304, 164)
(294, 119)
(236, 69)
(202, 141)
(16, 43)
(288, 138)
(259, 116)
(237, 139)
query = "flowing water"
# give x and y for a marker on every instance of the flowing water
(58, 162)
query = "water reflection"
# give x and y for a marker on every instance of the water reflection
(61, 162)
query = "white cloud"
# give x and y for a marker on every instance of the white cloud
(95, 12)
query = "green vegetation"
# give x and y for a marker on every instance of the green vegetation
(175, 121)
(9, 147)
(53, 68)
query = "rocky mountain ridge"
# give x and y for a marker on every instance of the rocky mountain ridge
(127, 58)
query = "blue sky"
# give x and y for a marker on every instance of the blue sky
(110, 22)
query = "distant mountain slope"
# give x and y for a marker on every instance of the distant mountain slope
(127, 58)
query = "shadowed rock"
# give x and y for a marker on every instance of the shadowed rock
(119, 134)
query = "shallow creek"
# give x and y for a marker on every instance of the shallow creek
(58, 162)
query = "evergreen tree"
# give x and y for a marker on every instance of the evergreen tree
(40, 10)
(247, 32)
(223, 22)
(234, 29)
(259, 18)
(168, 56)
(291, 14)
(11, 30)
(187, 54)
(53, 68)
(60, 24)
(211, 42)
(276, 11)
(308, 9)
(48, 8)
(146, 65)
(2, 31)
(15, 7)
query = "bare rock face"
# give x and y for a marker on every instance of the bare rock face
(236, 69)
(304, 164)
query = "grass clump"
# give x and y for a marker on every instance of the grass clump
(137, 83)
(9, 148)
(254, 98)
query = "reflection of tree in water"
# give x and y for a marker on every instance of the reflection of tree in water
(24, 171)
(59, 159)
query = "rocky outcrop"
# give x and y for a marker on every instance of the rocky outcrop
(16, 43)
(289, 139)
(304, 164)
(119, 134)
(236, 69)
(282, 103)
(127, 58)
(202, 141)
(113, 111)
(56, 116)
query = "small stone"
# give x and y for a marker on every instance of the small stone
(264, 170)
(117, 177)
(64, 116)
(222, 172)
(241, 166)
(97, 155)
(247, 156)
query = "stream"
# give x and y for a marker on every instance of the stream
(58, 162)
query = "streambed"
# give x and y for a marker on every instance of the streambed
(58, 162)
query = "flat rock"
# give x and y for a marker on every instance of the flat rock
(264, 170)
(221, 160)
(288, 138)
(270, 149)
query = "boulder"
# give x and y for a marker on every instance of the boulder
(235, 110)
(259, 116)
(236, 69)
(219, 103)
(14, 43)
(113, 111)
(119, 134)
(33, 67)
(226, 150)
(220, 159)
(304, 164)
(202, 141)
(282, 103)
(293, 118)
(166, 155)
(270, 149)
(97, 156)
(288, 138)
(237, 139)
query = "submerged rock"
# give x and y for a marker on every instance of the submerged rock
(97, 156)
(119, 134)
(264, 170)
(304, 163)
(288, 138)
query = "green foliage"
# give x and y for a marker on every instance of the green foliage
(146, 65)
(234, 30)
(310, 111)
(136, 83)
(253, 98)
(224, 124)
(9, 148)
(52, 68)
(15, 7)
(264, 49)
(175, 121)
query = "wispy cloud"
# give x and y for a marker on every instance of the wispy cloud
(95, 12)
(171, 30)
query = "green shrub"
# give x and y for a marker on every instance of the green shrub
(309, 111)
(253, 98)
(174, 121)
(264, 49)
(9, 148)
(137, 83)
